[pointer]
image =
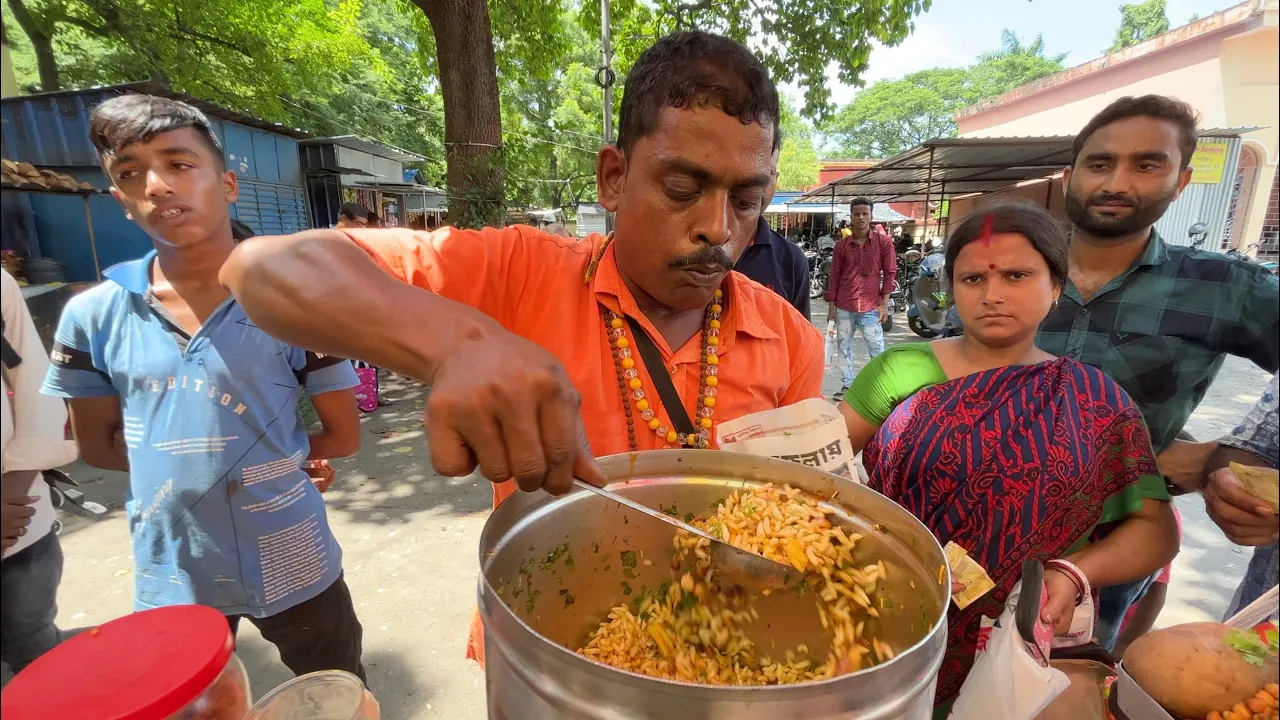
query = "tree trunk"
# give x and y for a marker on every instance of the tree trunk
(472, 111)
(42, 43)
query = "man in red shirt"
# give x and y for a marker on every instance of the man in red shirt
(862, 273)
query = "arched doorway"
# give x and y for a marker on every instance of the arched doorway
(1241, 197)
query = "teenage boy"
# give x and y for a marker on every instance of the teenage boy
(170, 382)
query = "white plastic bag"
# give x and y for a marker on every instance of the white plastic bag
(811, 432)
(1007, 682)
(830, 347)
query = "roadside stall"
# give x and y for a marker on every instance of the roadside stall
(349, 168)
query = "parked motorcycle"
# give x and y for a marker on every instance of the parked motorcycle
(909, 268)
(930, 313)
(897, 300)
(819, 271)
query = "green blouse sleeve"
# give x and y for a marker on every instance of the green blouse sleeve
(891, 377)
(1129, 500)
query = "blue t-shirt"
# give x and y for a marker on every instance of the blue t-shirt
(220, 511)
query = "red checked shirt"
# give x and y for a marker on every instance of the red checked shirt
(862, 274)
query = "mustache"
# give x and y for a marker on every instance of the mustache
(706, 255)
(1109, 199)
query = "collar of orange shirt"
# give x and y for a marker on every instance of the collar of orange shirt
(741, 313)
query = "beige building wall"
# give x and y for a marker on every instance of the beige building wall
(1045, 193)
(1226, 66)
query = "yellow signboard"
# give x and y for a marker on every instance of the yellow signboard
(1209, 162)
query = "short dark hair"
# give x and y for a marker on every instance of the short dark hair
(1027, 219)
(1159, 107)
(130, 119)
(688, 69)
(861, 202)
(353, 210)
(240, 231)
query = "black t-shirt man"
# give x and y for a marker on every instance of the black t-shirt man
(778, 264)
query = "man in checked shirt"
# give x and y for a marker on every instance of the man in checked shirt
(1158, 318)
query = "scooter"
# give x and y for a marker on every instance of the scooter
(930, 313)
(62, 490)
(1198, 233)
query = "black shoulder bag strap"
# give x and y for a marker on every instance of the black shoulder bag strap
(8, 355)
(652, 358)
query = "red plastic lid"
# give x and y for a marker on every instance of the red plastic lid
(144, 666)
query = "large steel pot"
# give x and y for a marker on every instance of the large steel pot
(553, 567)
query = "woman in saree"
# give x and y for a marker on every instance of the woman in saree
(1010, 452)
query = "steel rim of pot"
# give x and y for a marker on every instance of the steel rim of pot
(548, 647)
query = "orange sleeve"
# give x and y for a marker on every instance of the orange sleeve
(805, 344)
(486, 269)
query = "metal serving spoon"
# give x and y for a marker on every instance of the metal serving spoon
(735, 565)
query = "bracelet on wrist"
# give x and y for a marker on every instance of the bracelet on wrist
(1074, 574)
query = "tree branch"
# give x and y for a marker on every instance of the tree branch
(183, 32)
(41, 38)
(83, 24)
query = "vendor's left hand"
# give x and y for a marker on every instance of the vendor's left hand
(1060, 606)
(883, 310)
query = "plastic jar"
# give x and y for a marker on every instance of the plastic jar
(324, 695)
(171, 663)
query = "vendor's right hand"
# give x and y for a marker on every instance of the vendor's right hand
(1244, 518)
(506, 405)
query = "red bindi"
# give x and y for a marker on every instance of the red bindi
(991, 267)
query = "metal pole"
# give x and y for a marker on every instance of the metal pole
(832, 217)
(928, 185)
(93, 243)
(942, 200)
(606, 57)
(604, 78)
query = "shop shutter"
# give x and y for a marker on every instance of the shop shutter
(271, 209)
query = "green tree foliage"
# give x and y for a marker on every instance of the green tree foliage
(1140, 22)
(552, 125)
(1012, 46)
(499, 95)
(798, 162)
(798, 40)
(895, 115)
(242, 53)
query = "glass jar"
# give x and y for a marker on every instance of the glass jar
(171, 663)
(324, 695)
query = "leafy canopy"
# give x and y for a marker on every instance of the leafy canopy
(897, 114)
(1140, 22)
(799, 41)
(798, 162)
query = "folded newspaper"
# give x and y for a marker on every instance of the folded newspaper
(810, 432)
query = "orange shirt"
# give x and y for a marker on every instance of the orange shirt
(533, 283)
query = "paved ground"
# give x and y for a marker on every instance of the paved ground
(409, 538)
